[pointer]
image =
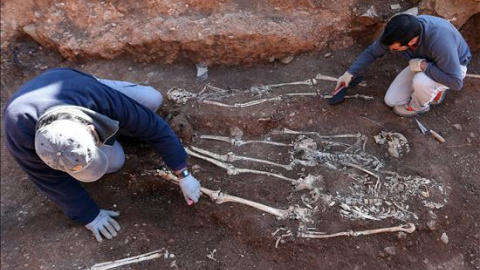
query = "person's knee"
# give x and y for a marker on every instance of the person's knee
(115, 155)
(389, 101)
(420, 82)
(393, 99)
(154, 100)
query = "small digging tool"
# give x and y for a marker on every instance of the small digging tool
(424, 131)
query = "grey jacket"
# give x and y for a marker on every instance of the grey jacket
(440, 43)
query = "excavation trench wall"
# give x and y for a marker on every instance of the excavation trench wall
(231, 32)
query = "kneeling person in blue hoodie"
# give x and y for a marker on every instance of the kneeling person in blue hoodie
(60, 127)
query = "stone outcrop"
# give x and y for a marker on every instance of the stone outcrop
(456, 11)
(470, 32)
(216, 32)
(370, 17)
(212, 31)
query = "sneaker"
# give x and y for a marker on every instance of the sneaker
(439, 97)
(407, 110)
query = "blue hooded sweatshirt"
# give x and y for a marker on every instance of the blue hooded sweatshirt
(64, 86)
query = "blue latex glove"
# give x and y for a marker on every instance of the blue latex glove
(104, 224)
(190, 188)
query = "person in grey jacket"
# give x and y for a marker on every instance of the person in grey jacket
(438, 57)
(61, 129)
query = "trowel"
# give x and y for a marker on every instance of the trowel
(425, 130)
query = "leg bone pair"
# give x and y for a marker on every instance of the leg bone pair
(309, 182)
(293, 212)
(309, 82)
(114, 264)
(238, 142)
(231, 170)
(360, 96)
(476, 76)
(241, 105)
(277, 98)
(260, 89)
(408, 228)
(231, 157)
(287, 131)
(332, 160)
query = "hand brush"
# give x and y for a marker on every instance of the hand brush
(342, 90)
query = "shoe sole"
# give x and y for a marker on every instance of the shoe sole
(409, 115)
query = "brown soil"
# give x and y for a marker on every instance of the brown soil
(36, 235)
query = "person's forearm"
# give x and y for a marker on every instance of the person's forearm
(368, 56)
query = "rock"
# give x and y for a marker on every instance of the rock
(456, 11)
(444, 238)
(457, 126)
(402, 235)
(236, 132)
(412, 11)
(390, 250)
(432, 224)
(202, 71)
(472, 135)
(370, 17)
(196, 168)
(287, 59)
(395, 7)
(432, 215)
(425, 192)
(470, 32)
